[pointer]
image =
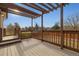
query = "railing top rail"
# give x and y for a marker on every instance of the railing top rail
(63, 30)
(67, 31)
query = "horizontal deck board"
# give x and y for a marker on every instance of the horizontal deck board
(34, 47)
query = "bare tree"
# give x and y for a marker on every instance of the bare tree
(72, 22)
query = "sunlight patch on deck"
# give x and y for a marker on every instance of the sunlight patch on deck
(9, 37)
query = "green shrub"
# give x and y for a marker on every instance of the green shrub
(25, 35)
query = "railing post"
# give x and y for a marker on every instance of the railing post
(0, 27)
(4, 32)
(42, 26)
(61, 20)
(19, 33)
(14, 31)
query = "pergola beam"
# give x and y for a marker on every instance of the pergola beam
(3, 7)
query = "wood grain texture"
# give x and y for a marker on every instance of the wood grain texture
(34, 47)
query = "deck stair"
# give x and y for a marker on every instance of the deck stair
(8, 40)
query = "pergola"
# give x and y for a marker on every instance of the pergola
(44, 8)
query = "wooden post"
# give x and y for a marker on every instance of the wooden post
(42, 27)
(61, 20)
(4, 32)
(15, 31)
(31, 27)
(0, 27)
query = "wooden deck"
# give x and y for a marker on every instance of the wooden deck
(34, 47)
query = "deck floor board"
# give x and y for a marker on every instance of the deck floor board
(34, 47)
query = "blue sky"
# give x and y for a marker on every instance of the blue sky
(49, 19)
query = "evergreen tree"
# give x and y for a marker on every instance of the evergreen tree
(56, 26)
(36, 27)
(10, 29)
(17, 25)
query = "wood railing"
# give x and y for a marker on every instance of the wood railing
(71, 38)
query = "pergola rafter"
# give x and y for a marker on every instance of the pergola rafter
(21, 9)
(30, 13)
(46, 6)
(42, 9)
(21, 14)
(50, 4)
(36, 7)
(58, 5)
